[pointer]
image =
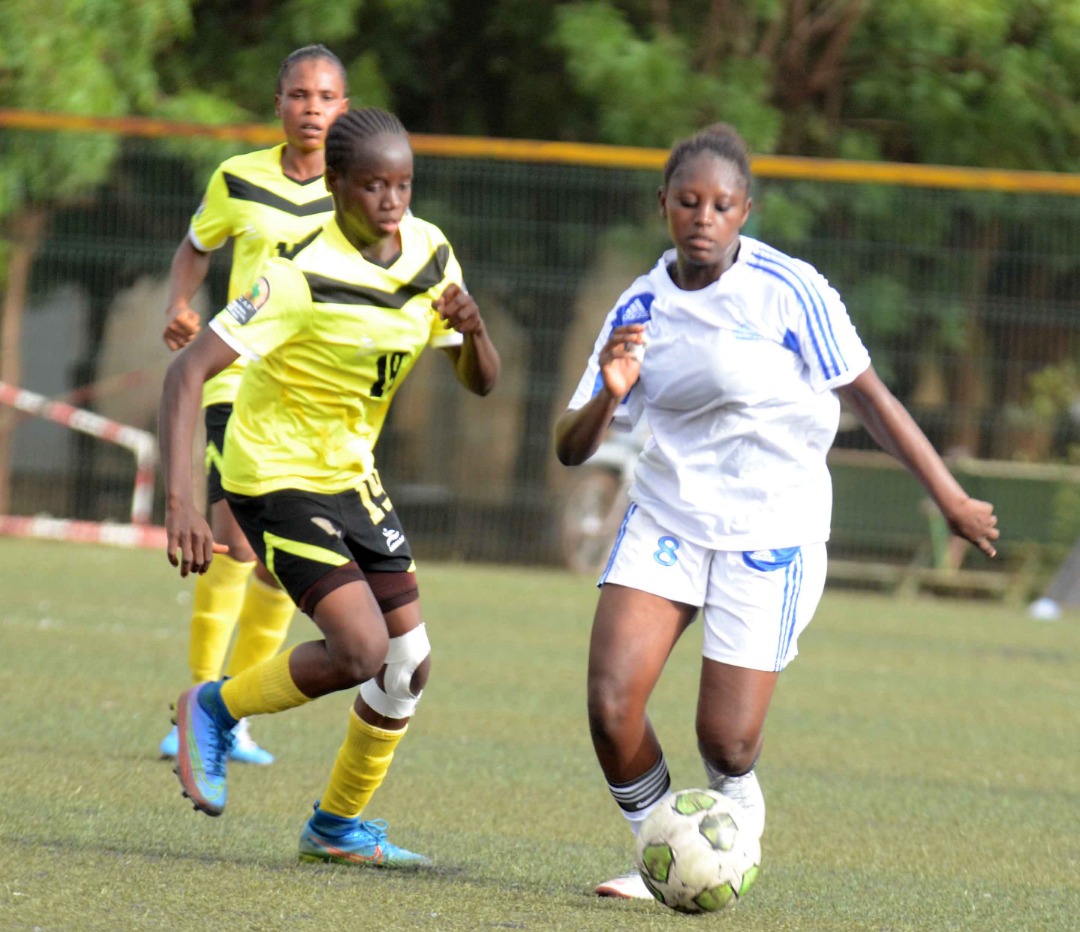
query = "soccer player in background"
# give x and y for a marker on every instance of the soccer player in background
(736, 354)
(267, 203)
(331, 334)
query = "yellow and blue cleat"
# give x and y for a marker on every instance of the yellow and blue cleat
(359, 843)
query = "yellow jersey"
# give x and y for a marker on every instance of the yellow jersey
(330, 336)
(251, 201)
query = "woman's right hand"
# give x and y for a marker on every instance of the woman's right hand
(189, 542)
(183, 326)
(620, 359)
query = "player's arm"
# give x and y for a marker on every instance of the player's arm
(476, 361)
(579, 431)
(895, 430)
(186, 275)
(181, 401)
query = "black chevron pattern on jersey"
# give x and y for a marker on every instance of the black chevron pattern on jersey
(332, 291)
(243, 190)
(289, 252)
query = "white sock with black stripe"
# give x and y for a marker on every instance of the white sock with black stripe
(639, 797)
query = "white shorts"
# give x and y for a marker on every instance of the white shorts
(755, 603)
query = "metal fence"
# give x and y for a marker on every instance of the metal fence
(962, 283)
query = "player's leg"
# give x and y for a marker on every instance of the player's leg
(633, 634)
(377, 723)
(261, 628)
(288, 531)
(385, 704)
(648, 597)
(219, 593)
(732, 705)
(757, 605)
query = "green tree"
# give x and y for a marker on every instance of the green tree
(986, 83)
(89, 57)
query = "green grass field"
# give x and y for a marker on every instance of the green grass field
(922, 768)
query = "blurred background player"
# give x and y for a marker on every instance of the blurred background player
(332, 333)
(267, 203)
(735, 352)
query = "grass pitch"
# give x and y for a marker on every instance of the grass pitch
(921, 767)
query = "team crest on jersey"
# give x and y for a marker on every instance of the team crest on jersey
(247, 305)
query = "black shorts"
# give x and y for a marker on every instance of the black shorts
(302, 537)
(215, 418)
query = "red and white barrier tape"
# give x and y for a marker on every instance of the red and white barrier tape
(140, 442)
(85, 532)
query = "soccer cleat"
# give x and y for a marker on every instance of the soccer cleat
(364, 844)
(202, 753)
(746, 791)
(169, 744)
(628, 887)
(245, 750)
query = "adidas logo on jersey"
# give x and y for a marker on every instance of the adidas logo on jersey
(394, 539)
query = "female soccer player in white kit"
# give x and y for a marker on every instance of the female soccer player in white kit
(736, 354)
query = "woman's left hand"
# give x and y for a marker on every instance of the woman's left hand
(457, 307)
(976, 522)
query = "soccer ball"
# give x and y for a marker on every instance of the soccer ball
(693, 854)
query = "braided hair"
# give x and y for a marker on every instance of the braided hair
(308, 53)
(352, 127)
(720, 140)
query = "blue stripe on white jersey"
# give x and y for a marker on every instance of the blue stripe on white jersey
(809, 297)
(638, 310)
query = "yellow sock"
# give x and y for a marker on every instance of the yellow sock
(219, 593)
(266, 687)
(262, 626)
(360, 768)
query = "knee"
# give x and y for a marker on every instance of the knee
(240, 550)
(227, 532)
(396, 693)
(357, 659)
(730, 753)
(611, 708)
(420, 675)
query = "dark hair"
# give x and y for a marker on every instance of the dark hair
(307, 53)
(354, 126)
(720, 140)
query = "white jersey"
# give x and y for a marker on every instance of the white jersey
(737, 386)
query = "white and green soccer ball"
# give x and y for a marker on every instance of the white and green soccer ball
(693, 853)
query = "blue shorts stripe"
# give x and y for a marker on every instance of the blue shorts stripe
(789, 612)
(618, 540)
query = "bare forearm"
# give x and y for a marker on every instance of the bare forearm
(181, 398)
(578, 433)
(477, 366)
(186, 274)
(896, 432)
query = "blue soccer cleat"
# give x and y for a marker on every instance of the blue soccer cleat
(170, 744)
(244, 750)
(363, 844)
(202, 753)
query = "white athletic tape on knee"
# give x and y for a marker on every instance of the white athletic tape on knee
(403, 656)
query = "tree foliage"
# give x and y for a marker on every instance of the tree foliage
(968, 82)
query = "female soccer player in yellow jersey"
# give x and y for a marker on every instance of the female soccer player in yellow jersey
(266, 203)
(331, 334)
